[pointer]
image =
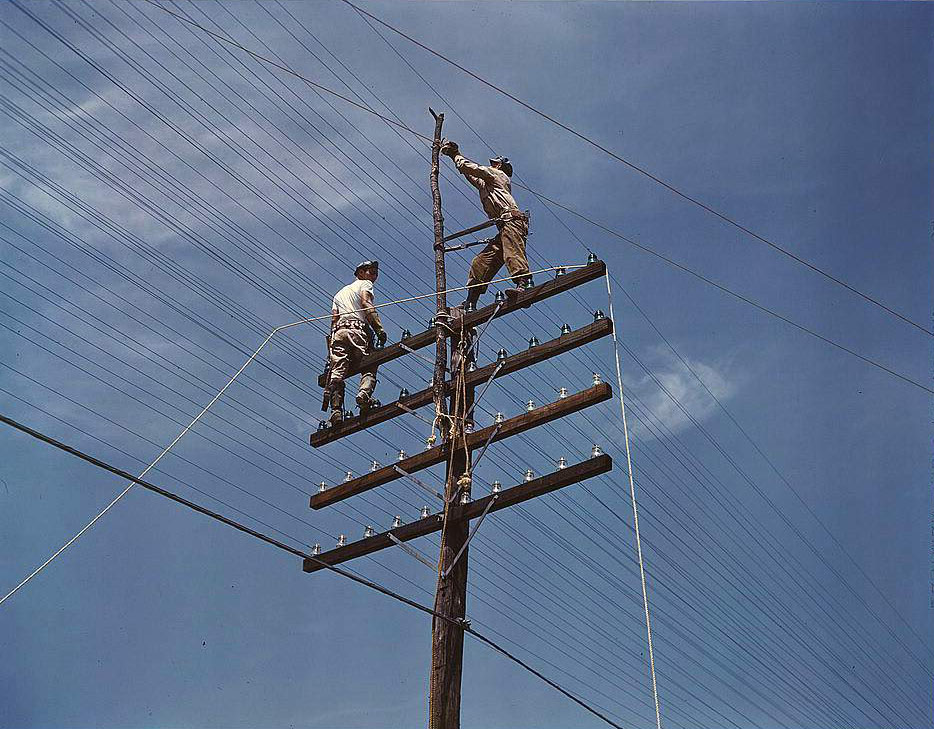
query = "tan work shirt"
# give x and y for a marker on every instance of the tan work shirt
(494, 186)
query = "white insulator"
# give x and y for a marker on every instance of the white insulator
(499, 418)
(316, 549)
(529, 406)
(342, 540)
(465, 497)
(396, 522)
(562, 393)
(374, 466)
(529, 475)
(560, 271)
(562, 463)
(596, 378)
(368, 532)
(401, 455)
(565, 329)
(323, 486)
(348, 476)
(496, 487)
(425, 512)
(596, 451)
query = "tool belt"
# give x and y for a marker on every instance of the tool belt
(510, 215)
(352, 322)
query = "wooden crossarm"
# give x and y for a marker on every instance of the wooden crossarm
(557, 285)
(438, 454)
(526, 358)
(509, 497)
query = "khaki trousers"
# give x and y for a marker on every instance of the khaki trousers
(348, 347)
(507, 247)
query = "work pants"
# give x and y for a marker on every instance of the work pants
(348, 346)
(508, 246)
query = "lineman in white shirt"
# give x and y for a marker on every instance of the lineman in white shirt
(355, 324)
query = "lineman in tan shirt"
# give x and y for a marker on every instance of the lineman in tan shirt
(508, 246)
(354, 323)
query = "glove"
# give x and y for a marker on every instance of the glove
(449, 148)
(381, 337)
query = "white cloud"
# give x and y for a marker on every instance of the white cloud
(671, 375)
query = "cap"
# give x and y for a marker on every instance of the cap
(504, 162)
(366, 264)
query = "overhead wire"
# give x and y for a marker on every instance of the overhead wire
(641, 170)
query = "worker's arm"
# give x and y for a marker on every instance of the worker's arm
(372, 315)
(477, 175)
(334, 317)
(472, 171)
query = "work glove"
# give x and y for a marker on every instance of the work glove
(449, 148)
(381, 336)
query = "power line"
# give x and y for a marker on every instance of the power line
(463, 625)
(645, 172)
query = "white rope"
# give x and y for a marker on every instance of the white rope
(635, 510)
(217, 397)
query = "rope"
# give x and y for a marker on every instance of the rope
(635, 510)
(217, 397)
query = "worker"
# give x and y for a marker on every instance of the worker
(508, 246)
(354, 325)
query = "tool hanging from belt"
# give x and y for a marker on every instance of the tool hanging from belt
(504, 218)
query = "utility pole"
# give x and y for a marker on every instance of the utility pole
(453, 393)
(447, 639)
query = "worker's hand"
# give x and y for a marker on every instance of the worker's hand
(381, 336)
(449, 148)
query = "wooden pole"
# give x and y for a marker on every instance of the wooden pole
(447, 639)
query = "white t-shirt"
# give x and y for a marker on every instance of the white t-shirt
(350, 298)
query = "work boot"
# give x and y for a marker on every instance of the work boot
(337, 406)
(364, 401)
(522, 285)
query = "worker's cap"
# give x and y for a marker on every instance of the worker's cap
(363, 265)
(504, 163)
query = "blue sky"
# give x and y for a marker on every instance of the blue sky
(167, 200)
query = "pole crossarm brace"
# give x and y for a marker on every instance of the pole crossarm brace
(557, 285)
(438, 454)
(430, 524)
(514, 363)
